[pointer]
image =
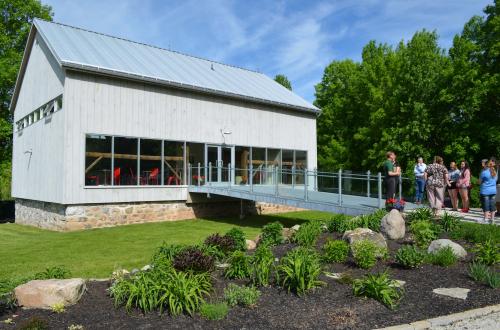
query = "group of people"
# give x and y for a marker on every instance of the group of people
(435, 178)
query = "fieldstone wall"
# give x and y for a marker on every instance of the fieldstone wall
(77, 217)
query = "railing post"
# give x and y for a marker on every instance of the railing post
(368, 175)
(379, 181)
(315, 183)
(293, 176)
(210, 173)
(251, 178)
(229, 173)
(275, 174)
(400, 186)
(306, 192)
(199, 174)
(340, 187)
(189, 174)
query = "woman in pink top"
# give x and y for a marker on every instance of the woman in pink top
(463, 185)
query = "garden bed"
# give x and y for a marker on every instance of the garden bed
(330, 306)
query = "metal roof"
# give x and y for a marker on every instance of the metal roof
(90, 51)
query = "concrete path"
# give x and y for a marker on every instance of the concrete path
(486, 318)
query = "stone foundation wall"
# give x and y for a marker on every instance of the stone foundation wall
(77, 217)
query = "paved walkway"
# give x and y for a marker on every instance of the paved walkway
(474, 215)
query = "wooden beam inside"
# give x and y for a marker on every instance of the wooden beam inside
(94, 163)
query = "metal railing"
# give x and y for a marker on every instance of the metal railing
(296, 183)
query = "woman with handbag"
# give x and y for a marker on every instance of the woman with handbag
(436, 176)
(463, 185)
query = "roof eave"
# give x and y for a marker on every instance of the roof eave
(128, 75)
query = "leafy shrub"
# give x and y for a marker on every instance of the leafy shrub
(57, 272)
(34, 323)
(299, 270)
(443, 257)
(493, 279)
(449, 222)
(371, 221)
(420, 214)
(478, 272)
(193, 259)
(213, 251)
(272, 233)
(214, 311)
(225, 244)
(365, 253)
(410, 257)
(335, 251)
(307, 234)
(476, 233)
(487, 253)
(261, 265)
(337, 223)
(423, 232)
(239, 265)
(162, 288)
(167, 251)
(238, 237)
(241, 295)
(379, 287)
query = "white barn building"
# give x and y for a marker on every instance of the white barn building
(105, 130)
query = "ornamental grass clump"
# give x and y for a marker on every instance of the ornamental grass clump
(241, 295)
(483, 274)
(272, 233)
(239, 265)
(449, 222)
(443, 257)
(379, 287)
(214, 312)
(307, 234)
(365, 253)
(410, 257)
(299, 270)
(262, 264)
(335, 251)
(420, 214)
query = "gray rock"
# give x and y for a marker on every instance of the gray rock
(393, 225)
(296, 227)
(359, 234)
(335, 276)
(47, 293)
(251, 245)
(459, 293)
(438, 244)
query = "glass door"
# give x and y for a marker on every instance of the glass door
(220, 157)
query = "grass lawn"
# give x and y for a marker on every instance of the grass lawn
(96, 253)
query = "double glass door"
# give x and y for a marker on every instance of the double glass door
(220, 157)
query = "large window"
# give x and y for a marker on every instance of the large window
(195, 153)
(300, 165)
(242, 165)
(173, 163)
(150, 164)
(125, 171)
(98, 160)
(287, 166)
(259, 165)
(273, 161)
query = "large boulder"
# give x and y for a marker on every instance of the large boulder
(438, 244)
(46, 293)
(359, 234)
(251, 245)
(393, 225)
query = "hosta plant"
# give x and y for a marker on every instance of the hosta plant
(299, 270)
(379, 287)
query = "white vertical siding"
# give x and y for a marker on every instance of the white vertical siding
(37, 159)
(98, 104)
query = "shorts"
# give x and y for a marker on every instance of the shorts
(488, 203)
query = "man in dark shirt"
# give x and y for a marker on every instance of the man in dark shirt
(391, 172)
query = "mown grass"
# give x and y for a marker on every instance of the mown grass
(96, 253)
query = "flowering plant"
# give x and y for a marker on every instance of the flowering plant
(393, 203)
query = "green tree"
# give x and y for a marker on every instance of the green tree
(283, 80)
(16, 19)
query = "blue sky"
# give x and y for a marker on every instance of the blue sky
(296, 38)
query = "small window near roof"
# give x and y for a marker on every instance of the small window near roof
(35, 116)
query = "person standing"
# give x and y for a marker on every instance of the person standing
(453, 175)
(488, 189)
(391, 174)
(419, 171)
(436, 176)
(463, 185)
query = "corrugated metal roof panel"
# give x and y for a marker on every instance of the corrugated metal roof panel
(77, 47)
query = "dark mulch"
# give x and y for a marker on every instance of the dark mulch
(332, 306)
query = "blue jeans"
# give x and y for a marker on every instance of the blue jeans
(488, 203)
(419, 189)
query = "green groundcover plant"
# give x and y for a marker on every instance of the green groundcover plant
(379, 287)
(487, 253)
(272, 233)
(299, 270)
(483, 274)
(410, 257)
(365, 253)
(238, 237)
(424, 232)
(443, 257)
(335, 251)
(241, 295)
(216, 311)
(239, 265)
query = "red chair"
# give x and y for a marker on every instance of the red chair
(116, 176)
(174, 179)
(153, 176)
